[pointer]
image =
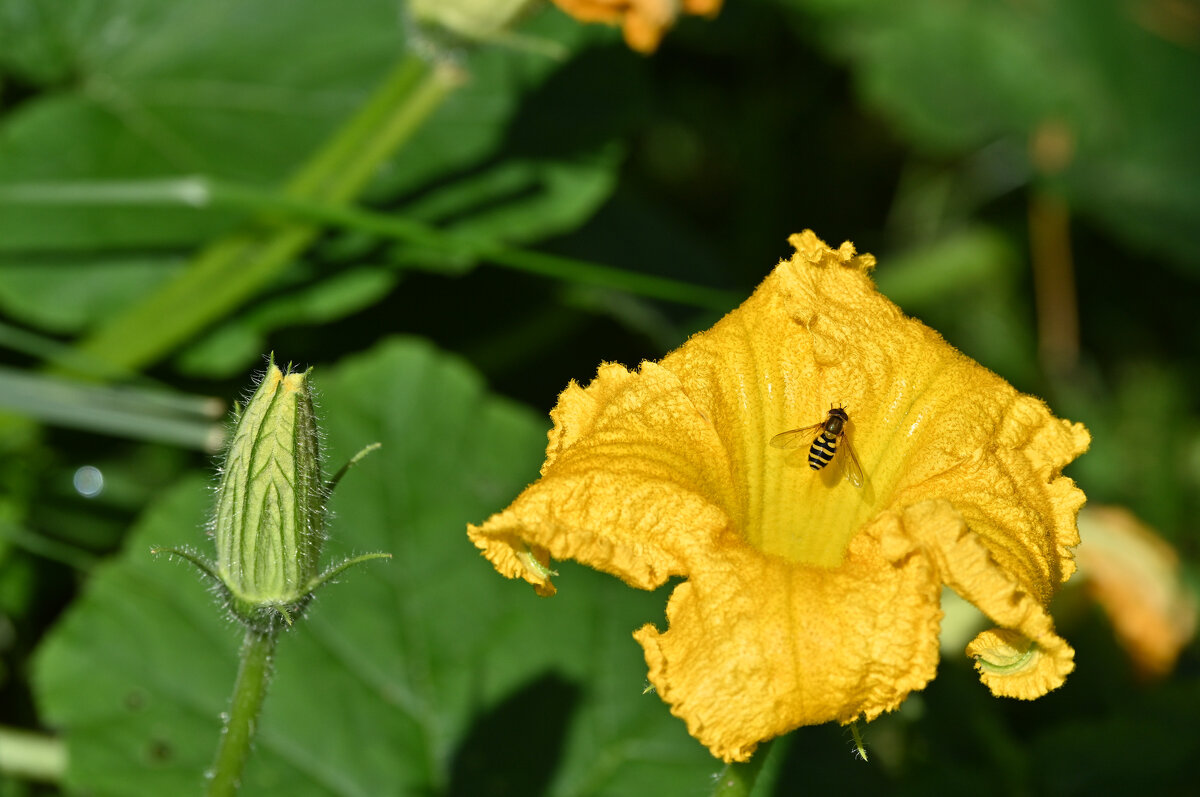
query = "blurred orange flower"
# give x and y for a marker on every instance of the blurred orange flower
(806, 599)
(1134, 574)
(644, 22)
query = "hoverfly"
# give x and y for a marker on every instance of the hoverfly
(825, 441)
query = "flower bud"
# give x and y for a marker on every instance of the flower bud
(270, 518)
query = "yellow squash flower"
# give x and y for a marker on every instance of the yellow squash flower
(807, 599)
(643, 22)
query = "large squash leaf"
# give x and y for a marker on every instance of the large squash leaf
(425, 674)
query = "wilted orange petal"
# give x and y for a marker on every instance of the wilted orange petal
(643, 22)
(612, 11)
(1134, 575)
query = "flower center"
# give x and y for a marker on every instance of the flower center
(803, 515)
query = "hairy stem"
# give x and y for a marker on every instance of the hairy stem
(248, 693)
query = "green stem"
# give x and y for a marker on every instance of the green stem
(594, 274)
(204, 192)
(738, 778)
(31, 756)
(56, 353)
(223, 194)
(248, 694)
(232, 269)
(133, 412)
(47, 548)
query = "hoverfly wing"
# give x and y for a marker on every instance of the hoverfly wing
(849, 462)
(796, 438)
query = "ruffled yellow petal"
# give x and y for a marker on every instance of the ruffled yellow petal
(758, 646)
(631, 470)
(1024, 658)
(806, 599)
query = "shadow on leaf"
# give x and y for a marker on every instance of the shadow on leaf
(515, 748)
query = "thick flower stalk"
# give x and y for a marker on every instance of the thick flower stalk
(805, 598)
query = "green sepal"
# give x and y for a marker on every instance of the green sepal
(334, 570)
(354, 460)
(205, 567)
(265, 617)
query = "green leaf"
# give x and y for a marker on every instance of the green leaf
(983, 77)
(515, 201)
(142, 91)
(238, 343)
(140, 88)
(72, 293)
(423, 674)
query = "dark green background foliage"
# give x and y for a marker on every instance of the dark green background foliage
(917, 130)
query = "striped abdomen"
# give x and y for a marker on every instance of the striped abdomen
(824, 446)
